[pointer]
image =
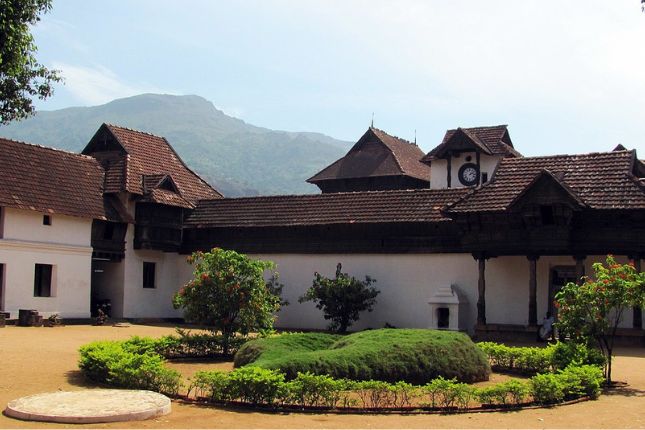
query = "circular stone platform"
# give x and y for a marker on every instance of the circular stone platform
(90, 406)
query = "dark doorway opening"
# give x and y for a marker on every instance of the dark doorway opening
(559, 276)
(443, 317)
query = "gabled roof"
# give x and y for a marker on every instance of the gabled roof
(129, 155)
(399, 206)
(555, 182)
(599, 180)
(492, 140)
(377, 154)
(51, 181)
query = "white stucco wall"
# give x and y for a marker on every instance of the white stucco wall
(28, 226)
(65, 245)
(155, 302)
(406, 282)
(439, 169)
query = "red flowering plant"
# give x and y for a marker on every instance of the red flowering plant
(591, 312)
(228, 293)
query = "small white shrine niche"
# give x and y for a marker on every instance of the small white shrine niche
(448, 309)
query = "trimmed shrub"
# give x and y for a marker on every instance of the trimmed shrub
(128, 365)
(317, 390)
(534, 360)
(255, 385)
(392, 355)
(564, 354)
(211, 384)
(547, 388)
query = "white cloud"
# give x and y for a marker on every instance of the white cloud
(98, 84)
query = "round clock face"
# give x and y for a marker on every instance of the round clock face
(468, 174)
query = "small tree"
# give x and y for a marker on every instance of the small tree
(342, 298)
(592, 311)
(229, 293)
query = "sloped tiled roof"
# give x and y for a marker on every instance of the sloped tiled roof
(422, 205)
(144, 154)
(166, 197)
(377, 154)
(51, 181)
(494, 140)
(600, 180)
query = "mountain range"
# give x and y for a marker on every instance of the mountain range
(237, 158)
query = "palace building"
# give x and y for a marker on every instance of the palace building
(471, 236)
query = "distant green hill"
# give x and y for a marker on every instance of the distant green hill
(236, 157)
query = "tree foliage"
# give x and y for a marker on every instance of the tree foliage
(342, 298)
(592, 311)
(228, 293)
(21, 75)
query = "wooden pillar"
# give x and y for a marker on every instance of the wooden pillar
(449, 169)
(481, 288)
(580, 267)
(532, 289)
(637, 321)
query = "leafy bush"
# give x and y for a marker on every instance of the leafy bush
(410, 355)
(591, 311)
(533, 360)
(211, 384)
(228, 293)
(513, 392)
(564, 354)
(128, 365)
(255, 385)
(582, 380)
(341, 299)
(547, 388)
(95, 358)
(446, 393)
(317, 390)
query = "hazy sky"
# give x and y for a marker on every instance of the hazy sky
(567, 76)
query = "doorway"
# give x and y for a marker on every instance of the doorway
(559, 276)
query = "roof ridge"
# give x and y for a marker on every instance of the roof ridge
(584, 154)
(395, 137)
(479, 127)
(134, 130)
(37, 145)
(367, 192)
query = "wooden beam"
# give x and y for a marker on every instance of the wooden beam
(532, 289)
(481, 289)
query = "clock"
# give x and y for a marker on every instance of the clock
(469, 174)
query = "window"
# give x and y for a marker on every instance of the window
(149, 274)
(108, 233)
(484, 177)
(43, 280)
(47, 220)
(547, 215)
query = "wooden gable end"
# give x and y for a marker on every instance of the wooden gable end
(104, 141)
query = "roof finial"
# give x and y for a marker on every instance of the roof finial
(372, 124)
(415, 137)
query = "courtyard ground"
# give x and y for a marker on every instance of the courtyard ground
(35, 360)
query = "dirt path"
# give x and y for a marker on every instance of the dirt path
(36, 360)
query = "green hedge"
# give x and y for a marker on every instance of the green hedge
(259, 386)
(125, 365)
(534, 360)
(137, 363)
(410, 355)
